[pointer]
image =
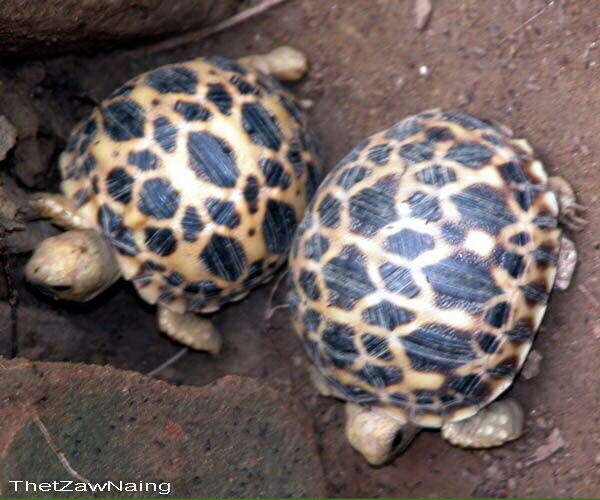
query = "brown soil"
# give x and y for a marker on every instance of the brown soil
(541, 78)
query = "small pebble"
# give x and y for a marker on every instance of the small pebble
(307, 103)
(423, 10)
(423, 70)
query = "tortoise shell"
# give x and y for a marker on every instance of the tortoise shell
(197, 174)
(421, 270)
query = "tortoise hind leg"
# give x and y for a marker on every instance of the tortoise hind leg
(190, 330)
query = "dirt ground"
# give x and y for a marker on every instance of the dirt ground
(532, 65)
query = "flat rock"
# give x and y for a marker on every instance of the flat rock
(47, 26)
(236, 437)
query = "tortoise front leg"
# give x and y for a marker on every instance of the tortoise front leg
(569, 209)
(494, 425)
(190, 329)
(569, 215)
(567, 260)
(58, 209)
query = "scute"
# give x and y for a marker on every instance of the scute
(439, 260)
(197, 174)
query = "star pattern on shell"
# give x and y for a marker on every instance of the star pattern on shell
(421, 271)
(197, 173)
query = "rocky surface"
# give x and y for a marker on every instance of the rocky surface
(32, 28)
(8, 136)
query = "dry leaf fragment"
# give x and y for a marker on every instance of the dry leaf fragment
(554, 443)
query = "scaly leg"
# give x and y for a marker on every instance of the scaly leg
(190, 329)
(376, 436)
(494, 425)
(567, 260)
(570, 210)
(58, 209)
(284, 63)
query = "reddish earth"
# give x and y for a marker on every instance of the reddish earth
(235, 437)
(539, 75)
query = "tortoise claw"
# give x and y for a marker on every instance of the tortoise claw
(571, 219)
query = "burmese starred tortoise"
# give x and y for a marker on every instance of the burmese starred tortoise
(189, 181)
(420, 274)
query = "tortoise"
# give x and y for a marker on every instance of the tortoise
(188, 181)
(420, 274)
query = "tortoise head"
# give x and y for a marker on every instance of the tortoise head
(75, 265)
(377, 436)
